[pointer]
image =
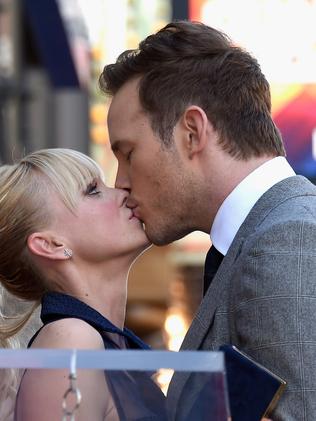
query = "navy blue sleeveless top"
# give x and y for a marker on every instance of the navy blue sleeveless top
(136, 396)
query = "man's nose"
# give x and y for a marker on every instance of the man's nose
(122, 181)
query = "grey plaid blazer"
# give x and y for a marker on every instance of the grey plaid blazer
(263, 300)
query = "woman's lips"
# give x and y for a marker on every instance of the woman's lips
(134, 216)
(135, 213)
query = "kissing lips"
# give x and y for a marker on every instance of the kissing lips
(136, 215)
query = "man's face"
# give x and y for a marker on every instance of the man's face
(155, 176)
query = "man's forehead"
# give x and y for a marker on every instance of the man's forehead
(125, 103)
(128, 92)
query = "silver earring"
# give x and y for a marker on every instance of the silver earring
(68, 253)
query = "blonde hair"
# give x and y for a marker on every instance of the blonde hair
(24, 192)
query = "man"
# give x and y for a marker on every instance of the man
(190, 124)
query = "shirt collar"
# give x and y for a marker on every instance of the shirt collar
(56, 305)
(240, 201)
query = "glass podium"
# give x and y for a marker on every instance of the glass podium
(199, 374)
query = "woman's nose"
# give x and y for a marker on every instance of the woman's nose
(122, 196)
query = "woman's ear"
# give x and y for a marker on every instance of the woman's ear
(45, 244)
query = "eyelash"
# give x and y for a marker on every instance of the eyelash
(128, 156)
(91, 189)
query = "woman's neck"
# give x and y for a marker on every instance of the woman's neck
(102, 288)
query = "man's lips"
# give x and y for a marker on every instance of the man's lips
(135, 214)
(132, 216)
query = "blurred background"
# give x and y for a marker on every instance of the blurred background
(51, 55)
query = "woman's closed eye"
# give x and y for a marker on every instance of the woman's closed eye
(92, 189)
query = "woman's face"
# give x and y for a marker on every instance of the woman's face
(102, 226)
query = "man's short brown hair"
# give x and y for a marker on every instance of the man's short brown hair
(189, 63)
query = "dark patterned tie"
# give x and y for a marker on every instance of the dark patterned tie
(213, 260)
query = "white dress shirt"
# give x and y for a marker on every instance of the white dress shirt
(240, 201)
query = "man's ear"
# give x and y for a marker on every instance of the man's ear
(45, 244)
(195, 124)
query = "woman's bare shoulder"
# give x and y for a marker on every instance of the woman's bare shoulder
(68, 333)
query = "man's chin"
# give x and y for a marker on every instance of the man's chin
(165, 237)
(158, 239)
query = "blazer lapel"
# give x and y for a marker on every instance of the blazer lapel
(201, 324)
(282, 191)
(203, 319)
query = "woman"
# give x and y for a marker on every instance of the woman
(67, 241)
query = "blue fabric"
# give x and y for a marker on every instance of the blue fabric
(57, 306)
(136, 396)
(212, 262)
(49, 32)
